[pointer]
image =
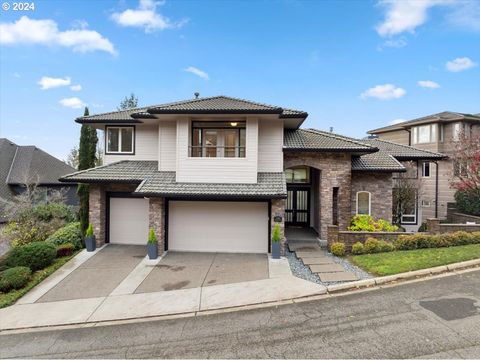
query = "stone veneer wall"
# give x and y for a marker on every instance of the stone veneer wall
(351, 237)
(278, 209)
(379, 185)
(98, 208)
(335, 171)
(434, 227)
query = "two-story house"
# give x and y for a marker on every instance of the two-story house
(437, 133)
(216, 174)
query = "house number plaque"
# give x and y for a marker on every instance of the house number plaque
(277, 219)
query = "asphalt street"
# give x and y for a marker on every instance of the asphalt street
(437, 318)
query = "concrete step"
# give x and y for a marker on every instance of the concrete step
(337, 276)
(316, 260)
(326, 268)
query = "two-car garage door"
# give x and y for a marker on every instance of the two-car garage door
(218, 226)
(206, 226)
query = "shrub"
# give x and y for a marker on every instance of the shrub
(36, 256)
(337, 249)
(276, 235)
(14, 278)
(385, 246)
(38, 223)
(368, 223)
(468, 201)
(424, 241)
(89, 231)
(65, 250)
(68, 234)
(422, 227)
(371, 245)
(152, 238)
(358, 248)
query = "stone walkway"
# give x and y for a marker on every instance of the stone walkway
(319, 263)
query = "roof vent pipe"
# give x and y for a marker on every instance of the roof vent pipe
(331, 129)
(197, 94)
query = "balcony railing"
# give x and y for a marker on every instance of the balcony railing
(217, 151)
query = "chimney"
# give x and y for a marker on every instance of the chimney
(331, 129)
(197, 94)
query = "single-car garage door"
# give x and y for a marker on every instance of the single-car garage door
(128, 221)
(218, 226)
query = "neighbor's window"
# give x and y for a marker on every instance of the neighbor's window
(425, 203)
(120, 140)
(363, 203)
(218, 139)
(426, 169)
(424, 134)
(409, 213)
(300, 174)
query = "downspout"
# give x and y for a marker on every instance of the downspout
(436, 189)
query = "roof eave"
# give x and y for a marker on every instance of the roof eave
(382, 170)
(102, 181)
(358, 151)
(213, 111)
(108, 121)
(211, 196)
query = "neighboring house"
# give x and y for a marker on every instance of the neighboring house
(28, 165)
(216, 174)
(436, 133)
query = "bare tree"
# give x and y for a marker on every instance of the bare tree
(407, 189)
(72, 158)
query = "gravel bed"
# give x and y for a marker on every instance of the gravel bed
(303, 272)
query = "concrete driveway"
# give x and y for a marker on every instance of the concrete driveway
(99, 275)
(184, 270)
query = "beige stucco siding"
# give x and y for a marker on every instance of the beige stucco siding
(146, 145)
(167, 146)
(217, 170)
(270, 145)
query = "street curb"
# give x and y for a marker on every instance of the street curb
(403, 276)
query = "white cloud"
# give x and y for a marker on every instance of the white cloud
(428, 84)
(76, 87)
(46, 32)
(466, 15)
(73, 102)
(396, 121)
(196, 71)
(49, 82)
(460, 64)
(394, 43)
(384, 92)
(147, 17)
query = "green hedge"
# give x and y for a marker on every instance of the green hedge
(424, 241)
(468, 201)
(368, 223)
(337, 249)
(69, 234)
(65, 250)
(35, 256)
(14, 278)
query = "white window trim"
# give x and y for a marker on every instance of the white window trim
(107, 152)
(429, 169)
(369, 202)
(426, 203)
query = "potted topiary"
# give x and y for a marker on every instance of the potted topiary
(90, 242)
(152, 248)
(276, 237)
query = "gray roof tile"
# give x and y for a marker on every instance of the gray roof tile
(317, 140)
(402, 152)
(378, 161)
(209, 105)
(121, 171)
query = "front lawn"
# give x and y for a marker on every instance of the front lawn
(9, 298)
(396, 262)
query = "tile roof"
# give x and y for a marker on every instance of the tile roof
(316, 140)
(402, 152)
(379, 161)
(208, 105)
(7, 153)
(269, 185)
(162, 183)
(446, 116)
(121, 171)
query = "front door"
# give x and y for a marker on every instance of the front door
(297, 209)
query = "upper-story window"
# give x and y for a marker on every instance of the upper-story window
(120, 140)
(424, 134)
(218, 139)
(459, 130)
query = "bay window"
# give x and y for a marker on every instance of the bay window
(218, 139)
(119, 139)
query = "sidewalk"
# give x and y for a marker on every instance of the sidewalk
(281, 285)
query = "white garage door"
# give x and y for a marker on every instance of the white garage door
(218, 226)
(128, 221)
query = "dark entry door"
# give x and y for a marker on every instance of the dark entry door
(297, 209)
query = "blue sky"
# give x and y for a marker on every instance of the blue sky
(353, 65)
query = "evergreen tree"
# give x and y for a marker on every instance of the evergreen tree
(86, 159)
(129, 102)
